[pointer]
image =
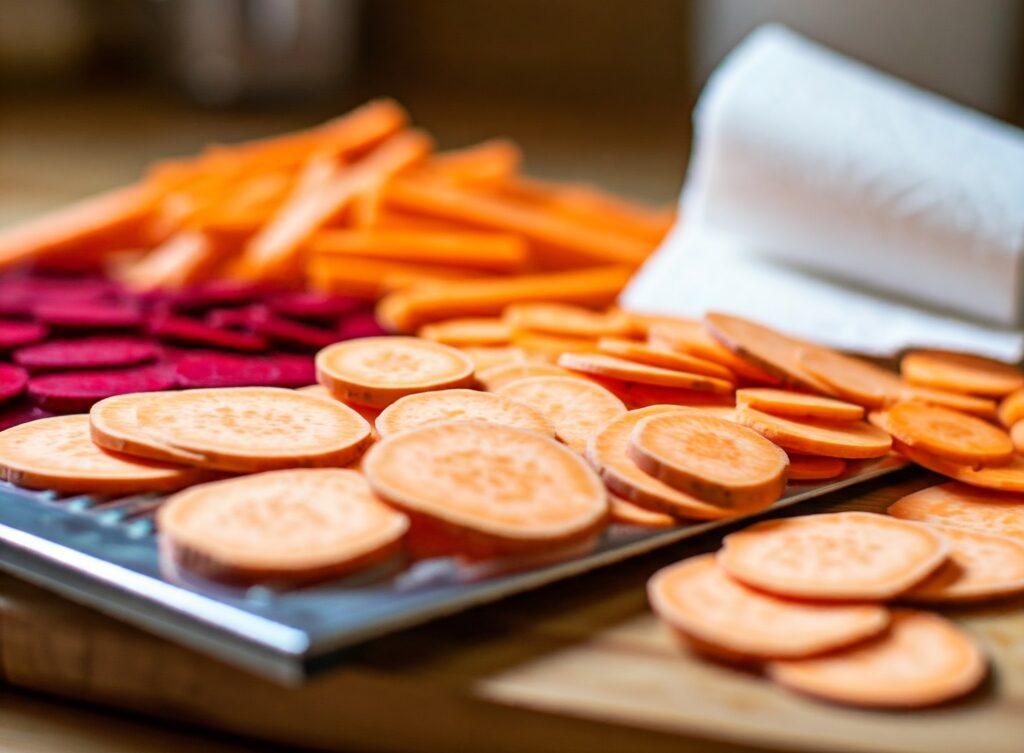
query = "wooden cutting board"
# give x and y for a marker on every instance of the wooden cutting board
(577, 666)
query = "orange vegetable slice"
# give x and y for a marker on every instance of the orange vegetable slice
(922, 660)
(1017, 436)
(630, 371)
(376, 371)
(814, 468)
(469, 405)
(949, 434)
(1006, 478)
(960, 506)
(851, 378)
(980, 567)
(689, 336)
(849, 439)
(662, 357)
(114, 426)
(607, 452)
(636, 395)
(550, 346)
(697, 598)
(468, 331)
(497, 488)
(1011, 409)
(57, 453)
(711, 458)
(624, 511)
(834, 557)
(488, 356)
(958, 372)
(797, 404)
(563, 319)
(293, 525)
(982, 407)
(256, 428)
(498, 376)
(576, 407)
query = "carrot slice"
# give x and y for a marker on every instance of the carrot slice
(563, 319)
(256, 428)
(851, 378)
(849, 439)
(636, 395)
(982, 407)
(958, 372)
(630, 371)
(662, 357)
(376, 371)
(291, 525)
(697, 598)
(497, 376)
(797, 404)
(1011, 409)
(576, 407)
(607, 451)
(470, 331)
(490, 486)
(114, 426)
(468, 405)
(922, 660)
(768, 350)
(961, 506)
(949, 434)
(711, 458)
(1006, 478)
(624, 511)
(689, 337)
(814, 467)
(57, 453)
(834, 556)
(980, 567)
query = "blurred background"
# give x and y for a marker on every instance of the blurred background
(594, 90)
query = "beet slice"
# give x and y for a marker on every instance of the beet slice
(88, 315)
(317, 307)
(291, 334)
(212, 295)
(360, 325)
(243, 317)
(12, 381)
(294, 370)
(76, 391)
(211, 369)
(14, 334)
(20, 412)
(87, 353)
(181, 329)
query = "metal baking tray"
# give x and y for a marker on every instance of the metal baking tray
(104, 553)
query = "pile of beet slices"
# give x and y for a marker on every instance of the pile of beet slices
(68, 342)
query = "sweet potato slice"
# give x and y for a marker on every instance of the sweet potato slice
(1005, 478)
(576, 407)
(630, 371)
(716, 460)
(662, 357)
(980, 567)
(958, 505)
(571, 321)
(376, 371)
(848, 439)
(958, 372)
(1017, 436)
(606, 451)
(489, 487)
(468, 331)
(290, 525)
(853, 379)
(697, 598)
(949, 434)
(690, 337)
(797, 404)
(256, 428)
(624, 511)
(922, 660)
(841, 556)
(636, 395)
(1011, 408)
(465, 405)
(114, 426)
(57, 453)
(551, 347)
(982, 407)
(497, 376)
(814, 468)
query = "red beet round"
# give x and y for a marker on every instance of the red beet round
(208, 369)
(317, 307)
(291, 334)
(243, 317)
(87, 353)
(76, 391)
(360, 325)
(88, 315)
(14, 334)
(180, 329)
(212, 295)
(20, 412)
(294, 370)
(12, 381)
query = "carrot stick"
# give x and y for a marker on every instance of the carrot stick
(482, 164)
(372, 277)
(182, 258)
(502, 252)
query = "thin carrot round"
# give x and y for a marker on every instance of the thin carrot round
(922, 660)
(980, 567)
(700, 600)
(713, 459)
(114, 426)
(624, 511)
(464, 405)
(949, 434)
(958, 505)
(57, 453)
(797, 404)
(630, 371)
(833, 557)
(498, 376)
(849, 439)
(576, 407)
(490, 486)
(606, 451)
(850, 378)
(662, 357)
(814, 467)
(293, 525)
(256, 428)
(958, 372)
